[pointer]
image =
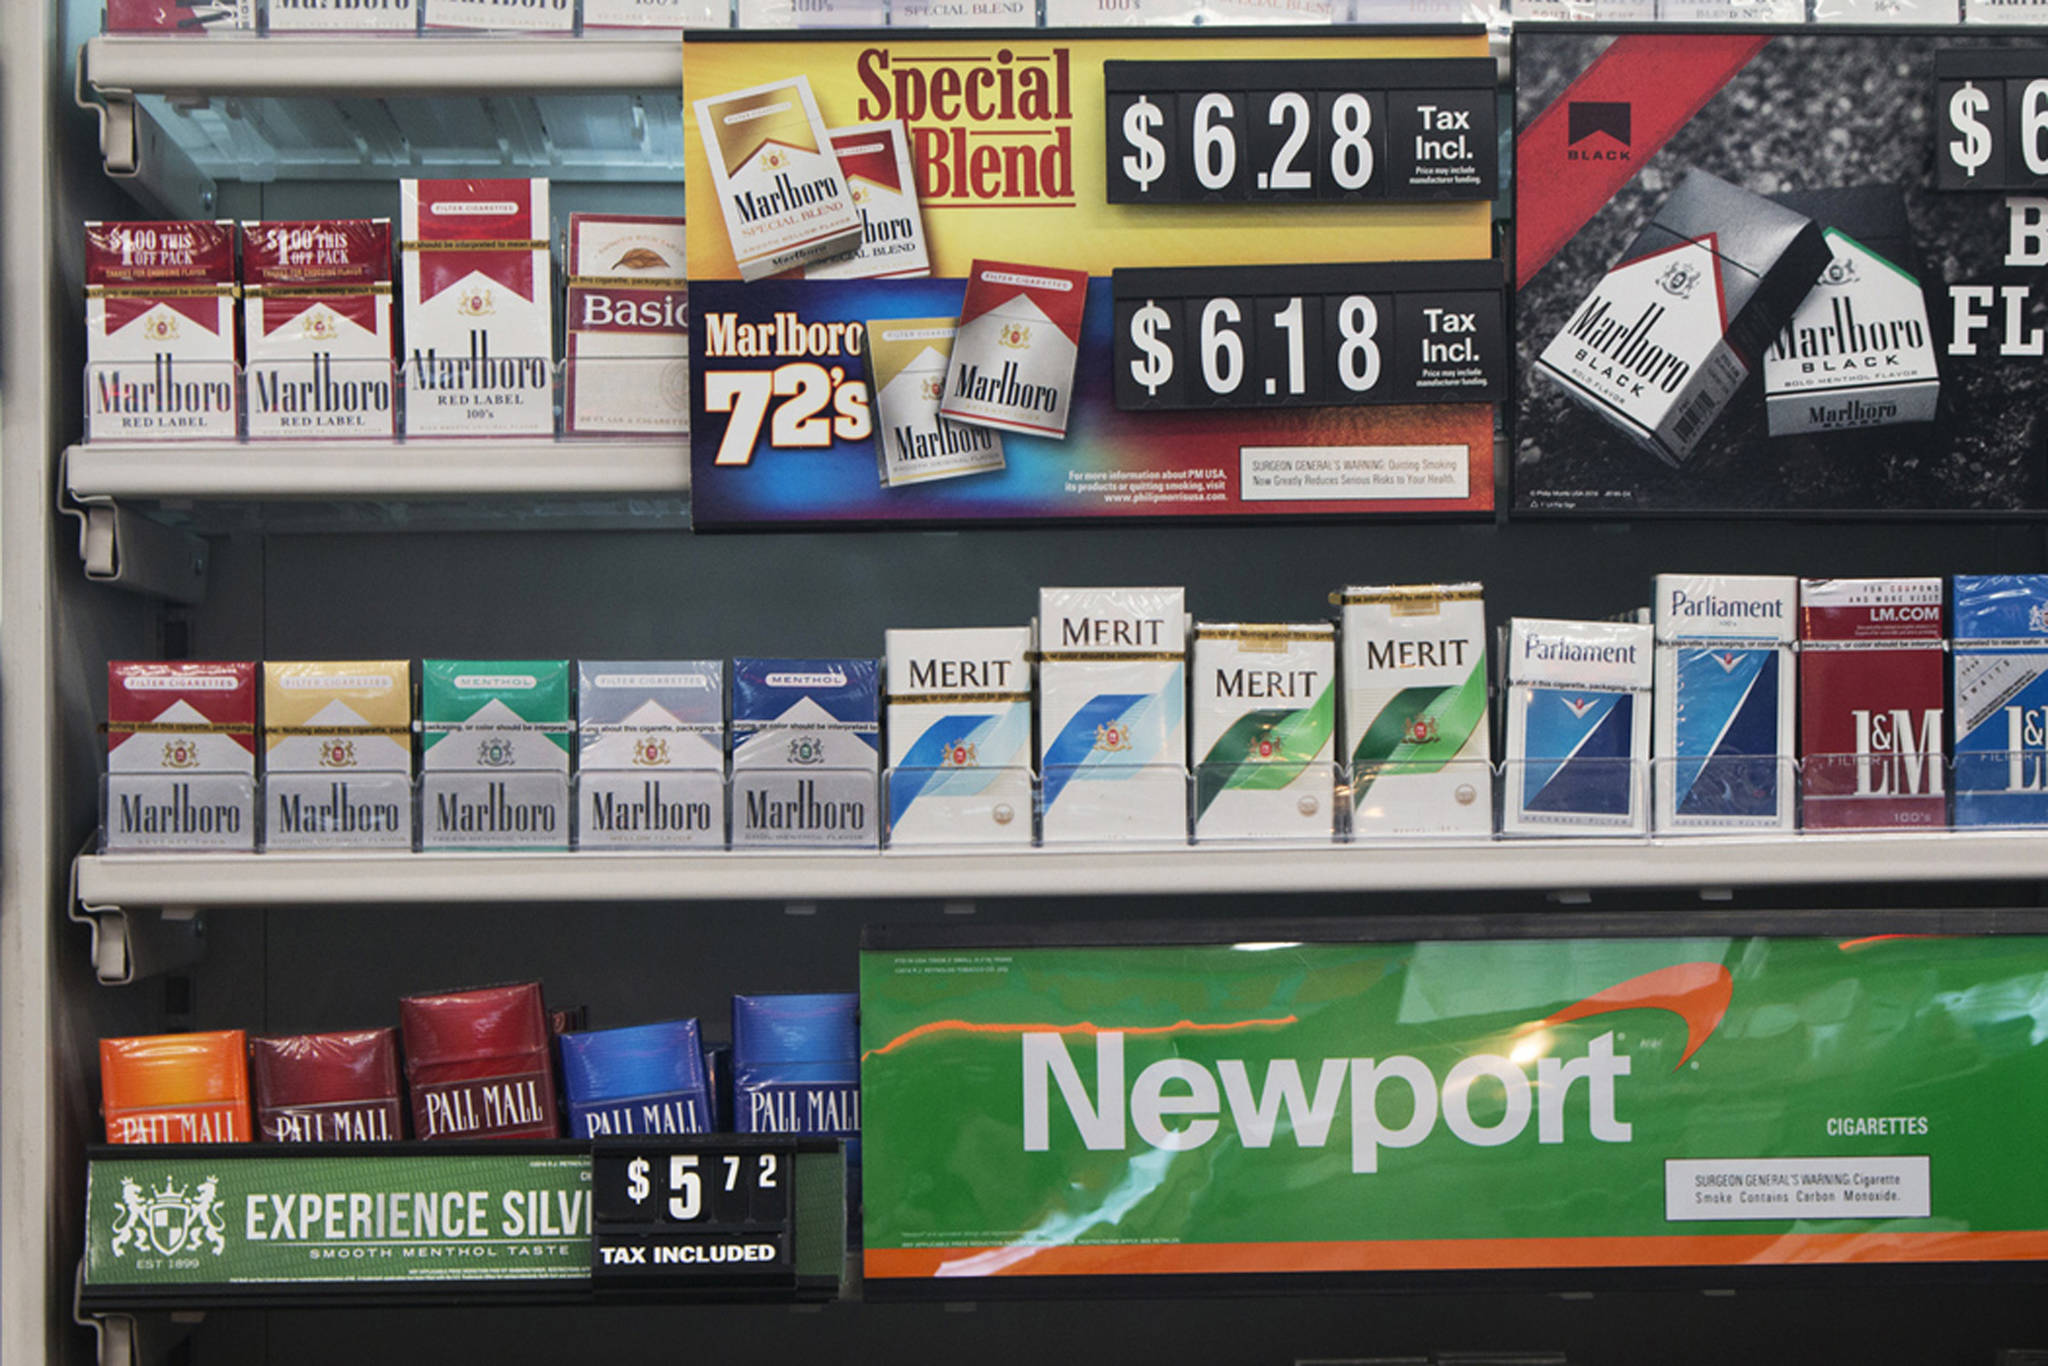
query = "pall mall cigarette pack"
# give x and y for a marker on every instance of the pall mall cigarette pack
(337, 754)
(316, 311)
(1264, 720)
(342, 16)
(907, 360)
(650, 753)
(796, 1065)
(643, 1079)
(628, 367)
(160, 348)
(1578, 727)
(960, 736)
(176, 1088)
(2001, 699)
(1417, 729)
(328, 1088)
(805, 742)
(786, 202)
(1871, 703)
(1112, 716)
(478, 313)
(1673, 330)
(1013, 360)
(1726, 699)
(181, 755)
(875, 158)
(480, 1063)
(494, 753)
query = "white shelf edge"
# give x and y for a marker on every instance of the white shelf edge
(99, 470)
(375, 67)
(227, 880)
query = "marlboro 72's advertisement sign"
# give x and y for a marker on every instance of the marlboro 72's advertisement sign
(1050, 276)
(1270, 1108)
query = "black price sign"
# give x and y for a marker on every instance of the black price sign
(1991, 119)
(685, 1209)
(1309, 336)
(1314, 131)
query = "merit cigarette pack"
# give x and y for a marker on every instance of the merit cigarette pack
(342, 16)
(1871, 702)
(2001, 699)
(1726, 699)
(160, 331)
(1578, 727)
(960, 736)
(875, 158)
(628, 323)
(907, 361)
(1858, 351)
(785, 200)
(805, 734)
(328, 1088)
(1416, 726)
(316, 314)
(1678, 324)
(650, 753)
(796, 1064)
(176, 1088)
(1013, 360)
(1112, 720)
(478, 313)
(646, 1079)
(1263, 721)
(479, 1063)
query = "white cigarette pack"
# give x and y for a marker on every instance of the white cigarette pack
(875, 159)
(1264, 719)
(628, 365)
(160, 331)
(960, 736)
(1112, 720)
(907, 359)
(785, 200)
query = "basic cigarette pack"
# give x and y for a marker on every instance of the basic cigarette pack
(785, 200)
(176, 1088)
(1013, 360)
(960, 736)
(805, 735)
(1416, 723)
(1264, 719)
(644, 1079)
(651, 753)
(480, 1064)
(1726, 699)
(494, 750)
(907, 361)
(628, 323)
(181, 750)
(328, 1088)
(1578, 727)
(1871, 702)
(337, 754)
(875, 159)
(316, 301)
(160, 330)
(2001, 699)
(1112, 720)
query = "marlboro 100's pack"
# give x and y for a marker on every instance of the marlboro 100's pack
(1264, 718)
(875, 158)
(160, 330)
(1677, 326)
(960, 736)
(317, 315)
(1725, 702)
(629, 330)
(1416, 727)
(2001, 699)
(479, 320)
(805, 735)
(1871, 702)
(651, 753)
(1578, 727)
(785, 200)
(1013, 360)
(1112, 723)
(181, 752)
(907, 359)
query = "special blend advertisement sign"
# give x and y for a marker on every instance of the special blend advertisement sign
(1035, 275)
(1284, 1107)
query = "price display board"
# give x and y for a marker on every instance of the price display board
(1991, 117)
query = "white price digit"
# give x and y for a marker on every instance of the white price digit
(767, 1172)
(687, 1198)
(1222, 351)
(732, 1170)
(744, 394)
(1290, 110)
(2033, 123)
(1288, 320)
(1358, 355)
(1351, 152)
(1215, 143)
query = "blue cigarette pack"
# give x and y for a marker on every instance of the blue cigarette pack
(2001, 699)
(644, 1079)
(796, 1064)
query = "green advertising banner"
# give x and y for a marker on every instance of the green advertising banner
(236, 1220)
(1499, 1105)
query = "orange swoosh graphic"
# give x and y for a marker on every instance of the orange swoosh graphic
(1851, 945)
(930, 1027)
(1696, 993)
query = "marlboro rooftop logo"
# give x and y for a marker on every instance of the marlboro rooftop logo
(1587, 119)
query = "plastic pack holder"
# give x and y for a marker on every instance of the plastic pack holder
(506, 810)
(650, 808)
(1577, 796)
(1898, 784)
(479, 396)
(338, 809)
(1112, 804)
(164, 398)
(1268, 802)
(799, 807)
(1998, 789)
(613, 396)
(177, 812)
(1396, 800)
(960, 805)
(1725, 794)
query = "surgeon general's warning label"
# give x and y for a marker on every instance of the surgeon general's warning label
(1797, 1188)
(1309, 473)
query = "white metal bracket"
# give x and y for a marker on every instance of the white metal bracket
(135, 149)
(128, 550)
(128, 945)
(114, 1336)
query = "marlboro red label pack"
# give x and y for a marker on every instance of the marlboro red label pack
(160, 330)
(875, 159)
(181, 717)
(1871, 702)
(317, 317)
(785, 200)
(1013, 360)
(629, 331)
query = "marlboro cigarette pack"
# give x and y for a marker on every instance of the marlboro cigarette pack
(160, 330)
(651, 753)
(492, 714)
(1013, 360)
(1117, 13)
(480, 1064)
(1681, 321)
(342, 16)
(1416, 724)
(604, 14)
(353, 716)
(1859, 351)
(907, 360)
(1887, 11)
(1578, 727)
(317, 322)
(478, 314)
(812, 13)
(328, 1088)
(796, 1064)
(1732, 11)
(1264, 719)
(628, 320)
(176, 1088)
(875, 158)
(805, 734)
(172, 16)
(2001, 699)
(962, 13)
(184, 717)
(1871, 702)
(1112, 721)
(645, 1079)
(960, 736)
(1725, 702)
(785, 200)
(500, 16)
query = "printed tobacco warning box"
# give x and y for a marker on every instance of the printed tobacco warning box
(1013, 360)
(785, 200)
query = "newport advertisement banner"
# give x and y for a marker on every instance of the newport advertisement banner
(1528, 1105)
